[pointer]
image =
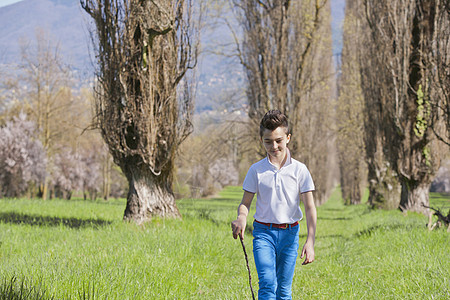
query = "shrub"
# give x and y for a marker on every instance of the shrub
(22, 157)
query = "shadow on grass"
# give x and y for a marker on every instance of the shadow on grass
(335, 218)
(328, 236)
(36, 220)
(207, 215)
(332, 209)
(378, 228)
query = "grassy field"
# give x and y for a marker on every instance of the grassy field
(82, 250)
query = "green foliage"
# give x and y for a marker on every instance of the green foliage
(360, 253)
(423, 113)
(427, 155)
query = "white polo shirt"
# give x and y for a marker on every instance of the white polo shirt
(278, 191)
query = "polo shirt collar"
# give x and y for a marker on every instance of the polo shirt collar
(288, 159)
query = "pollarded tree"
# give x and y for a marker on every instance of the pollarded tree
(439, 58)
(144, 48)
(350, 118)
(384, 185)
(398, 95)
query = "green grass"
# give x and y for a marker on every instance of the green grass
(82, 250)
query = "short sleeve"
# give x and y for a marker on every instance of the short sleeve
(251, 181)
(306, 182)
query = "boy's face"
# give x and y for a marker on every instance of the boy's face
(275, 142)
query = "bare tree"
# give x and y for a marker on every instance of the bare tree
(438, 57)
(282, 43)
(402, 149)
(144, 49)
(350, 118)
(384, 186)
(314, 98)
(216, 156)
(44, 88)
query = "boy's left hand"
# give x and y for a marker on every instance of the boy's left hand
(308, 252)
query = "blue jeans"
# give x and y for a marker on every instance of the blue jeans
(275, 252)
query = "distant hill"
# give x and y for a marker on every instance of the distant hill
(62, 20)
(220, 79)
(66, 23)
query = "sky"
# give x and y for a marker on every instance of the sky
(8, 2)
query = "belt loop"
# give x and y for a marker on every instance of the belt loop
(270, 225)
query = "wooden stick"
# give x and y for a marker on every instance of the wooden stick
(248, 268)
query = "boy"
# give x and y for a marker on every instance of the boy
(279, 182)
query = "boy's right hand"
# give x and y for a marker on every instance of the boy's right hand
(238, 226)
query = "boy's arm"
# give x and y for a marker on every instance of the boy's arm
(238, 225)
(311, 221)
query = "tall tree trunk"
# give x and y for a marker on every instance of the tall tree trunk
(45, 189)
(350, 111)
(384, 185)
(106, 176)
(384, 189)
(352, 182)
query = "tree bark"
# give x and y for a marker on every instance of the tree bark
(384, 184)
(384, 189)
(148, 196)
(414, 195)
(352, 183)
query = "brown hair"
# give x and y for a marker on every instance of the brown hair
(272, 120)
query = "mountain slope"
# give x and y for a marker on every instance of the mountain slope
(220, 78)
(62, 21)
